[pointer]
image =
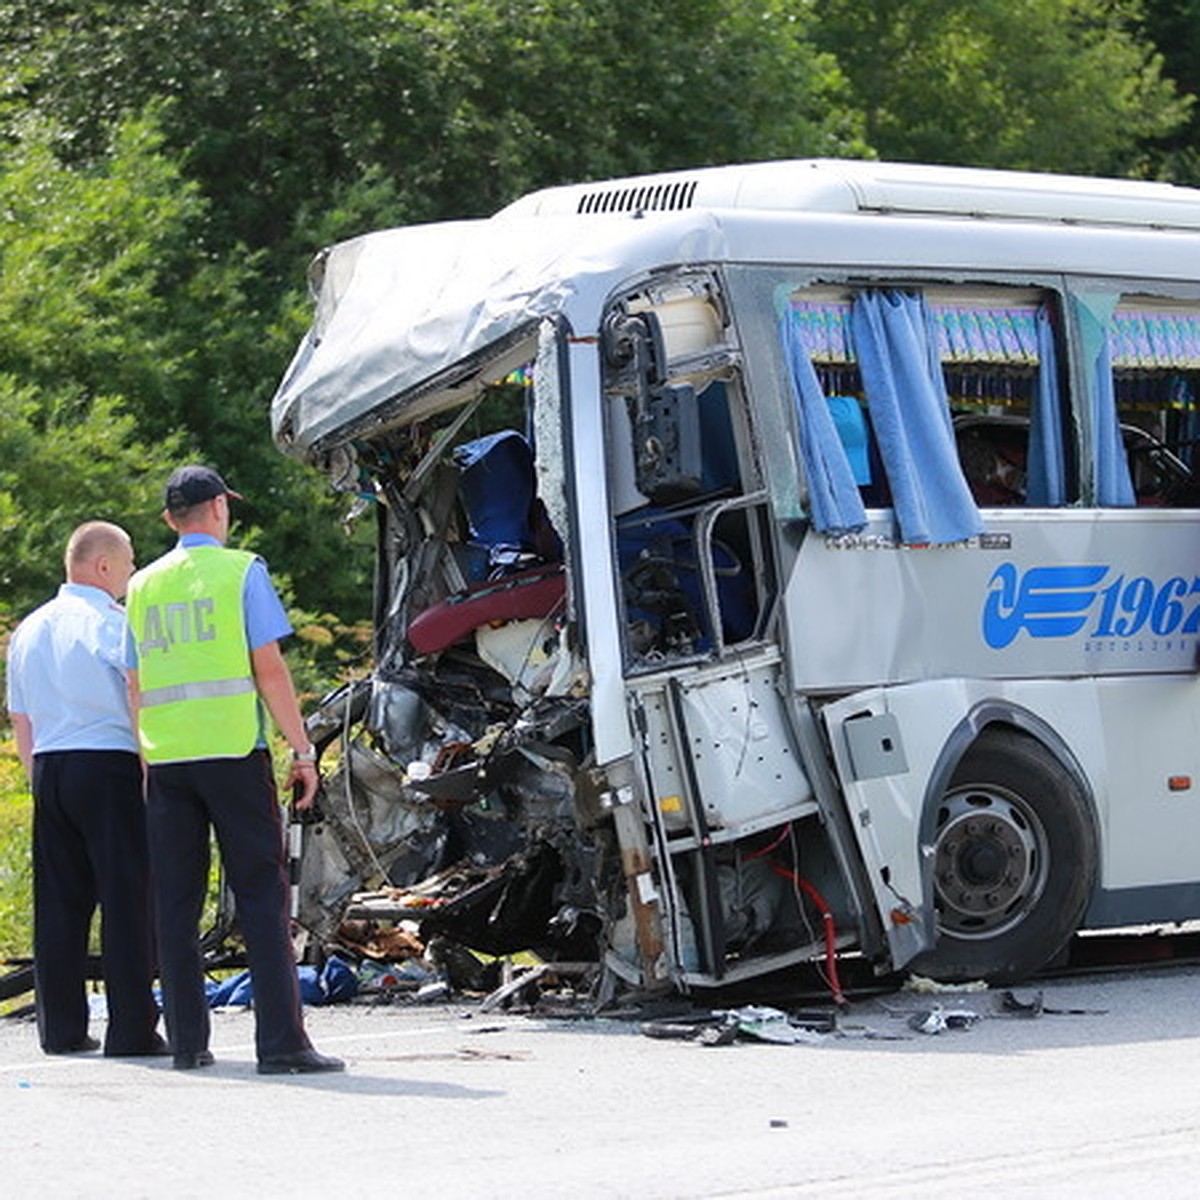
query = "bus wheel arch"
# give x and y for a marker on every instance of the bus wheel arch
(1011, 851)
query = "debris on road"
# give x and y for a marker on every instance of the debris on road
(938, 1019)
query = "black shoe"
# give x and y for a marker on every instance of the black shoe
(303, 1062)
(84, 1044)
(189, 1062)
(157, 1048)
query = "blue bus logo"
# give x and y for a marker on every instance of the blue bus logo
(1057, 602)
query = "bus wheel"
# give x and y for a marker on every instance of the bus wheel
(1014, 862)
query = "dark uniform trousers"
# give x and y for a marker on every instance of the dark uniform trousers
(236, 798)
(89, 848)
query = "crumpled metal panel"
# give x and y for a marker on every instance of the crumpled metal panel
(397, 309)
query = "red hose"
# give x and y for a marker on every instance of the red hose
(818, 900)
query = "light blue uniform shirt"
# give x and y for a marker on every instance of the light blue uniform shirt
(66, 672)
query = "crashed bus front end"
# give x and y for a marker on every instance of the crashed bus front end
(576, 738)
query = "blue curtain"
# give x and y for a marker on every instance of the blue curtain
(896, 348)
(1111, 483)
(1183, 398)
(1045, 470)
(834, 503)
(1114, 486)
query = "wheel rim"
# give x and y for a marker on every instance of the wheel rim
(990, 861)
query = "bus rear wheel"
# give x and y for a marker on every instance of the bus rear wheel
(1013, 864)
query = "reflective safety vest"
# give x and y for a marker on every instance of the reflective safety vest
(197, 697)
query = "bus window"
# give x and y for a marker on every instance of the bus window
(998, 380)
(689, 512)
(1154, 352)
(1000, 362)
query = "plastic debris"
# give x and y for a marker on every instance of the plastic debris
(756, 1023)
(765, 1024)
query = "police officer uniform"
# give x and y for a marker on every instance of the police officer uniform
(66, 674)
(196, 614)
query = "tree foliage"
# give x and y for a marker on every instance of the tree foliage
(82, 329)
(1046, 85)
(411, 112)
(1174, 27)
(168, 167)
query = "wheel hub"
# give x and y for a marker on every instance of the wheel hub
(988, 862)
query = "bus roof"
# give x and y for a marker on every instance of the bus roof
(405, 313)
(855, 185)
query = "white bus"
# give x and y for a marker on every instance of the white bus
(774, 561)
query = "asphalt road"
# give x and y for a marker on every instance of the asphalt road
(449, 1101)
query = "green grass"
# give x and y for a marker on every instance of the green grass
(16, 902)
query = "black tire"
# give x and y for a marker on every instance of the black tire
(1015, 854)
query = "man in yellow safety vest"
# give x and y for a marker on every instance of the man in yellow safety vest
(204, 658)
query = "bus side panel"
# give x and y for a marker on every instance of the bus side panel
(1152, 727)
(1043, 593)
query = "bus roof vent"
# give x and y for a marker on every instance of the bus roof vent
(667, 196)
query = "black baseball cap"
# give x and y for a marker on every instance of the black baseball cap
(193, 485)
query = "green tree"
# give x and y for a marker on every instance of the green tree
(308, 106)
(532, 94)
(1062, 85)
(82, 328)
(300, 122)
(83, 461)
(1174, 27)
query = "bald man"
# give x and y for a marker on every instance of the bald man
(70, 713)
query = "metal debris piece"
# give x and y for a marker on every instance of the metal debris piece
(433, 993)
(671, 1030)
(938, 1019)
(1022, 1008)
(927, 1021)
(718, 1035)
(526, 984)
(1037, 1007)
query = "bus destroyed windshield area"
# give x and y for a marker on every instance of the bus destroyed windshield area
(461, 790)
(465, 803)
